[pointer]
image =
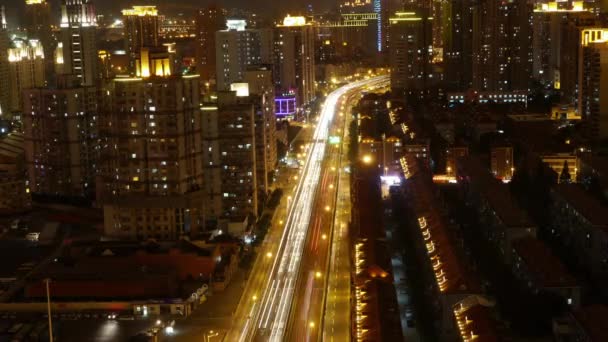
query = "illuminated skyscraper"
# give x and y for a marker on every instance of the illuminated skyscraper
(208, 21)
(26, 70)
(151, 160)
(294, 58)
(4, 78)
(37, 23)
(556, 39)
(238, 48)
(593, 82)
(458, 44)
(78, 29)
(502, 45)
(141, 28)
(411, 42)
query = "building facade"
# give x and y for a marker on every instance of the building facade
(593, 82)
(237, 49)
(78, 37)
(208, 21)
(151, 160)
(294, 59)
(141, 28)
(26, 70)
(411, 41)
(60, 140)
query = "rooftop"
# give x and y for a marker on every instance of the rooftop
(594, 320)
(544, 267)
(452, 273)
(587, 206)
(497, 194)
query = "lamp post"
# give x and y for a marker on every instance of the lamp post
(48, 308)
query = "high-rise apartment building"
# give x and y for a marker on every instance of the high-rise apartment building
(59, 127)
(457, 29)
(555, 43)
(229, 152)
(208, 21)
(26, 70)
(411, 41)
(502, 45)
(593, 82)
(151, 157)
(5, 99)
(141, 28)
(294, 58)
(37, 24)
(261, 92)
(238, 48)
(78, 38)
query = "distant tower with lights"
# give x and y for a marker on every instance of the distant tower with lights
(141, 28)
(208, 21)
(294, 57)
(78, 29)
(37, 23)
(4, 85)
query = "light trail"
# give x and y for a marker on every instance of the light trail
(275, 303)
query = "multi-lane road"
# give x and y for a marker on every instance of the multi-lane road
(286, 297)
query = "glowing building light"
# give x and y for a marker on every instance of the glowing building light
(140, 11)
(294, 21)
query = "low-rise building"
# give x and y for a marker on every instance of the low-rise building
(14, 191)
(447, 269)
(594, 172)
(541, 271)
(587, 324)
(502, 219)
(580, 222)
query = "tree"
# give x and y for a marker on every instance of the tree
(564, 177)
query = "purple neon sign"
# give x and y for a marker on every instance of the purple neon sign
(285, 105)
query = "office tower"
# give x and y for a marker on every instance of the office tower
(5, 99)
(502, 39)
(26, 69)
(59, 127)
(238, 48)
(555, 39)
(78, 29)
(593, 82)
(208, 21)
(411, 41)
(458, 44)
(37, 23)
(229, 145)
(141, 28)
(151, 157)
(261, 92)
(294, 58)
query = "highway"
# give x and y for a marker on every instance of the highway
(283, 299)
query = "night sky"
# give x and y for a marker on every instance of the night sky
(269, 7)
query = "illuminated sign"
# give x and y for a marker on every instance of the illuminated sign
(285, 105)
(334, 140)
(236, 24)
(242, 89)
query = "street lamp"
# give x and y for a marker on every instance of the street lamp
(367, 159)
(211, 334)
